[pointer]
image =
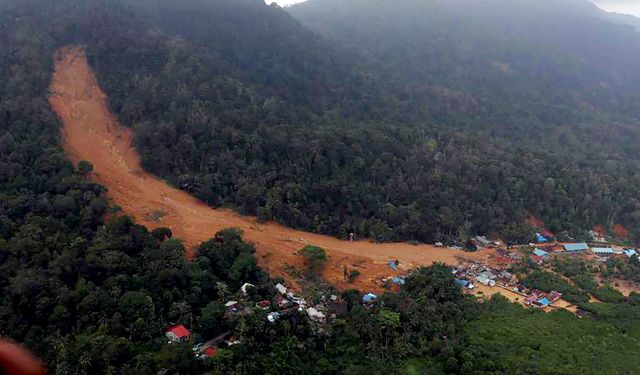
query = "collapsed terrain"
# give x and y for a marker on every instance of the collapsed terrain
(92, 133)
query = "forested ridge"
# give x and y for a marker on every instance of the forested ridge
(383, 151)
(91, 292)
(242, 106)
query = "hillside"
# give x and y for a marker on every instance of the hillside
(90, 290)
(363, 136)
(559, 55)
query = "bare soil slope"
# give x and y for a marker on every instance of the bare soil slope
(91, 132)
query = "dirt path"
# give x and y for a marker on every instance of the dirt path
(91, 132)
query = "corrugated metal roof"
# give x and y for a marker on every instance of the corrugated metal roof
(540, 253)
(602, 250)
(576, 247)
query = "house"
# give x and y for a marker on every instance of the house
(530, 299)
(244, 287)
(439, 244)
(369, 298)
(597, 236)
(602, 250)
(540, 253)
(263, 305)
(485, 280)
(272, 317)
(281, 301)
(521, 289)
(554, 296)
(281, 288)
(541, 239)
(177, 333)
(576, 247)
(398, 280)
(207, 353)
(543, 302)
(315, 315)
(630, 253)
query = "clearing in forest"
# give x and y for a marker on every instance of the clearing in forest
(92, 133)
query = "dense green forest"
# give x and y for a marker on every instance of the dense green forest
(352, 144)
(241, 105)
(91, 292)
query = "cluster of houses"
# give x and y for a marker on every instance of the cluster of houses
(537, 298)
(469, 275)
(286, 302)
(466, 274)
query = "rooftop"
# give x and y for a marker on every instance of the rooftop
(602, 250)
(540, 253)
(180, 331)
(576, 246)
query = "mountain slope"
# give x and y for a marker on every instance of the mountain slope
(535, 54)
(266, 43)
(458, 148)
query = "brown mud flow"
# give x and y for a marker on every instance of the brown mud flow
(91, 132)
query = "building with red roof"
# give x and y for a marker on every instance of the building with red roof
(178, 333)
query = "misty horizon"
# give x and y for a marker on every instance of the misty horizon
(617, 6)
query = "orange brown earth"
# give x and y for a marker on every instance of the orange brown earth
(92, 133)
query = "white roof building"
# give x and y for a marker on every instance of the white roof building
(316, 315)
(244, 287)
(281, 288)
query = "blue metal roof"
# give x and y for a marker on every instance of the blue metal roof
(576, 247)
(540, 238)
(544, 302)
(369, 297)
(540, 253)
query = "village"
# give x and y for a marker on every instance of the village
(285, 303)
(481, 274)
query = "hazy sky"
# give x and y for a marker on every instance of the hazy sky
(620, 6)
(288, 2)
